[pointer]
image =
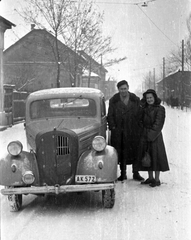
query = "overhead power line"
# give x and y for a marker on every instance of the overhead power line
(157, 27)
(127, 3)
(137, 4)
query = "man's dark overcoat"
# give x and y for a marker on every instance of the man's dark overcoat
(153, 118)
(123, 123)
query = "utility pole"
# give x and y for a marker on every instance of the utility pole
(154, 78)
(182, 55)
(163, 79)
(182, 83)
(149, 79)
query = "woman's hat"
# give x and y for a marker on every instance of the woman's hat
(150, 91)
(157, 99)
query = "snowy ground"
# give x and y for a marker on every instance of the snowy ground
(140, 212)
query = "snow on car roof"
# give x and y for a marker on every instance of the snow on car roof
(72, 91)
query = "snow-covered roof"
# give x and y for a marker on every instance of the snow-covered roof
(86, 73)
(173, 75)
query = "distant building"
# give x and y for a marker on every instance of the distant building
(110, 88)
(95, 73)
(94, 80)
(176, 86)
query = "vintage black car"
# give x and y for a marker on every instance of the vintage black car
(67, 149)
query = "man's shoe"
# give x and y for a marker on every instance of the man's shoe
(155, 184)
(121, 178)
(137, 176)
(148, 181)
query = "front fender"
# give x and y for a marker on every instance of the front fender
(89, 164)
(25, 161)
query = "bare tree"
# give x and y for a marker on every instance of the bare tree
(188, 44)
(52, 15)
(174, 61)
(76, 23)
(175, 58)
(84, 34)
(149, 81)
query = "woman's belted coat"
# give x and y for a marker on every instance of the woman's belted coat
(123, 123)
(152, 121)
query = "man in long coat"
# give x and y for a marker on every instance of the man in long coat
(123, 122)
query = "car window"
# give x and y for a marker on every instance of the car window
(65, 107)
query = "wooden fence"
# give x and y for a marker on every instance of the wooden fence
(14, 104)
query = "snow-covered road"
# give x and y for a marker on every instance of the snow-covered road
(140, 212)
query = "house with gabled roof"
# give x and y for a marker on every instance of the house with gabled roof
(32, 63)
(175, 88)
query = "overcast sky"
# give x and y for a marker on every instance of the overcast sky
(143, 34)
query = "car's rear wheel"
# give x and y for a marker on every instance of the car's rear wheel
(15, 202)
(108, 198)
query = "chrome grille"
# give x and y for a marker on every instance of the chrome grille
(62, 146)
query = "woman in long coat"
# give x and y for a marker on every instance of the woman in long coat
(152, 121)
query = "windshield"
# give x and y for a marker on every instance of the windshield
(64, 107)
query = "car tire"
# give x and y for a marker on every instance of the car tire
(108, 198)
(15, 202)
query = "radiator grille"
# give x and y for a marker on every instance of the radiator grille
(62, 146)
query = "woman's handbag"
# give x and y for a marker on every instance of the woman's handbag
(146, 160)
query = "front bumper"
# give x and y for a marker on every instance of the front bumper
(58, 189)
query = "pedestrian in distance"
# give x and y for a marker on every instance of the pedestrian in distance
(152, 120)
(123, 124)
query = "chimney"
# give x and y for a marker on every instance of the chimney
(32, 26)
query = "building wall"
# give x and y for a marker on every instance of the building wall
(31, 63)
(177, 86)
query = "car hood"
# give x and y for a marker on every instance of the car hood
(79, 125)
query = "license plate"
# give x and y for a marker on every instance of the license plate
(85, 178)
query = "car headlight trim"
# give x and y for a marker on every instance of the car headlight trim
(99, 143)
(28, 177)
(15, 148)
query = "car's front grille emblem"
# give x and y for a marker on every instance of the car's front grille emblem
(62, 146)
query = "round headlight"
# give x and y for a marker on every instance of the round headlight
(28, 177)
(15, 148)
(99, 143)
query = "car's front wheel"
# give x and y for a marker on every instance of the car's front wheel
(15, 202)
(108, 198)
